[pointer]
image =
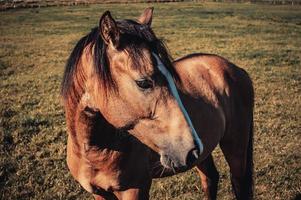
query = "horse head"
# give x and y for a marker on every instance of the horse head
(130, 78)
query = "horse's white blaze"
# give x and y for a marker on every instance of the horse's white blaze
(175, 93)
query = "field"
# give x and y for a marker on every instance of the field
(35, 43)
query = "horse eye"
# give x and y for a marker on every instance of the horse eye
(144, 83)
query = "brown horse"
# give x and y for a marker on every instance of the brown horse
(133, 114)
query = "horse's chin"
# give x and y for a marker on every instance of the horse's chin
(165, 170)
(176, 170)
(172, 165)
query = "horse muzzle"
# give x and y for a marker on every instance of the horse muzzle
(177, 161)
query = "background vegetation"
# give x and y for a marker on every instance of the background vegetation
(9, 4)
(35, 43)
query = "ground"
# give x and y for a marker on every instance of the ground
(265, 40)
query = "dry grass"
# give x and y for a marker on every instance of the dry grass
(265, 40)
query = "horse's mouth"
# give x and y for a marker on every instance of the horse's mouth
(162, 170)
(173, 165)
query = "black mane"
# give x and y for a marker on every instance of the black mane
(132, 35)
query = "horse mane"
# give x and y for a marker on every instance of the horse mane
(133, 34)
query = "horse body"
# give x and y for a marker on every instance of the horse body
(115, 154)
(219, 97)
(211, 89)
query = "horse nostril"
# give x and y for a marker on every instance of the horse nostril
(192, 156)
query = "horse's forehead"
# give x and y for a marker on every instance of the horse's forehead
(139, 63)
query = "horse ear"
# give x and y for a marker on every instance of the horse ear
(147, 16)
(109, 30)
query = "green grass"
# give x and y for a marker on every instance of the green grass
(35, 43)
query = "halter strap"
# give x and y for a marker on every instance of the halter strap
(175, 93)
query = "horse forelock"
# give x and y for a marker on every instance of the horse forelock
(133, 34)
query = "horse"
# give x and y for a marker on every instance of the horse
(134, 114)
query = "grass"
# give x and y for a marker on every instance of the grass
(35, 43)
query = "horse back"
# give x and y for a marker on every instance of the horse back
(222, 97)
(215, 79)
